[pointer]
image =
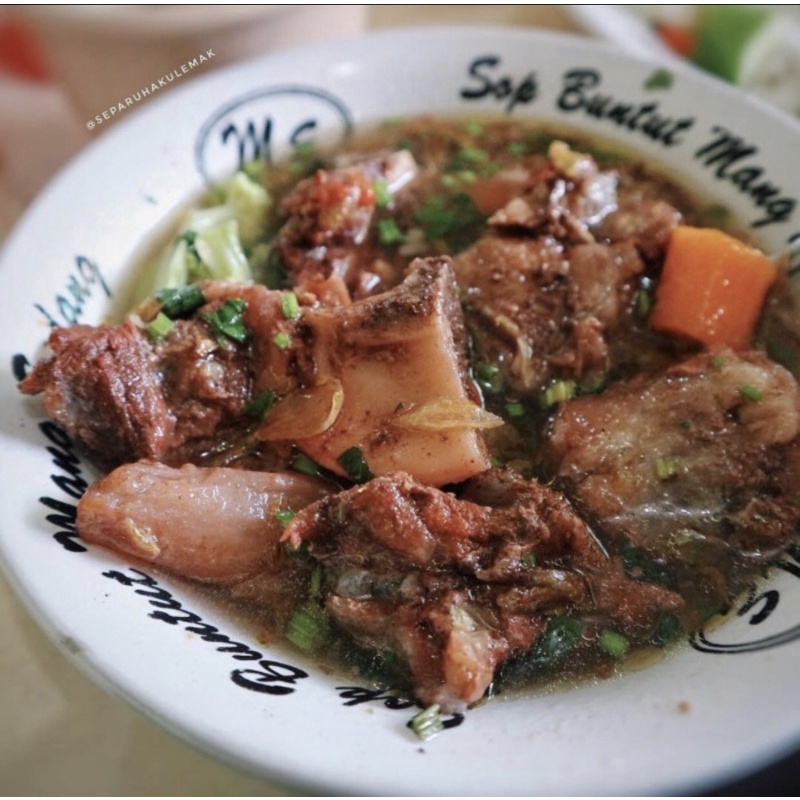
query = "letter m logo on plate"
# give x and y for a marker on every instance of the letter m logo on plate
(266, 125)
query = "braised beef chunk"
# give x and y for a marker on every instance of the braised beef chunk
(563, 198)
(642, 221)
(457, 586)
(544, 311)
(123, 395)
(358, 375)
(687, 465)
(102, 386)
(553, 295)
(323, 244)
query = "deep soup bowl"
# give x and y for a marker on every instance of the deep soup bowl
(715, 707)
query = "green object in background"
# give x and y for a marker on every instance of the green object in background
(726, 37)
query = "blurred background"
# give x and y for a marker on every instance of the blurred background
(62, 70)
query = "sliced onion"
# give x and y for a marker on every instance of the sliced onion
(446, 413)
(303, 413)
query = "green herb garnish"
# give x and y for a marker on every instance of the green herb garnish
(751, 393)
(558, 392)
(160, 327)
(660, 79)
(473, 127)
(179, 302)
(308, 627)
(383, 196)
(561, 635)
(285, 516)
(489, 378)
(515, 409)
(302, 463)
(448, 218)
(428, 722)
(354, 464)
(517, 149)
(289, 305)
(260, 404)
(389, 232)
(281, 340)
(227, 321)
(615, 644)
(667, 468)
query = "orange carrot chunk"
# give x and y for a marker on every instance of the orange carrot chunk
(712, 288)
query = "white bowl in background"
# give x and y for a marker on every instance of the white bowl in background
(683, 725)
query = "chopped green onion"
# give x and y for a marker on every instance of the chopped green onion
(285, 516)
(473, 127)
(304, 149)
(177, 302)
(615, 644)
(668, 630)
(515, 409)
(304, 159)
(451, 182)
(289, 305)
(255, 169)
(489, 378)
(518, 149)
(260, 404)
(188, 236)
(428, 722)
(281, 340)
(716, 214)
(227, 320)
(473, 155)
(644, 303)
(315, 583)
(667, 468)
(160, 327)
(301, 551)
(308, 627)
(274, 275)
(354, 464)
(443, 217)
(455, 181)
(529, 560)
(389, 232)
(660, 79)
(561, 635)
(558, 392)
(592, 386)
(718, 362)
(750, 392)
(383, 196)
(302, 463)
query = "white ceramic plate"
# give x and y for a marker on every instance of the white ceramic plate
(709, 712)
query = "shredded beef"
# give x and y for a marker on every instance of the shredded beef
(458, 586)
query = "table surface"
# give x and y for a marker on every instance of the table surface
(59, 733)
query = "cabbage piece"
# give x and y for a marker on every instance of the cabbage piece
(214, 241)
